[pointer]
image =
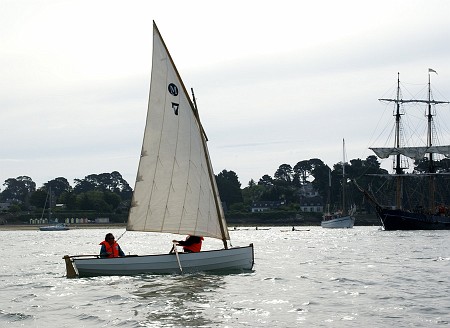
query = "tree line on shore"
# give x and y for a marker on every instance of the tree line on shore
(95, 193)
(110, 193)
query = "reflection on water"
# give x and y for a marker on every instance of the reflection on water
(178, 300)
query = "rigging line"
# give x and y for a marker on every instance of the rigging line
(121, 235)
(381, 186)
(45, 204)
(372, 139)
(386, 110)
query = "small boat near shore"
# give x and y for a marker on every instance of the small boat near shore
(55, 227)
(336, 221)
(341, 219)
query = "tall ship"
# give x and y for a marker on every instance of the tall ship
(420, 199)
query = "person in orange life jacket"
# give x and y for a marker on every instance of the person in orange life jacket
(192, 244)
(110, 248)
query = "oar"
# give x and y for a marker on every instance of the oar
(178, 258)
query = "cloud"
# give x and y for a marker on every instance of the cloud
(278, 87)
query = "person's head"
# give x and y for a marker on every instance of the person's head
(109, 237)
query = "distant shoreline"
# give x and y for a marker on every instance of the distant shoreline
(17, 227)
(361, 220)
(106, 226)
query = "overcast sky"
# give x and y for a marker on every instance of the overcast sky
(276, 82)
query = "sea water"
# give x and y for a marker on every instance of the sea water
(315, 277)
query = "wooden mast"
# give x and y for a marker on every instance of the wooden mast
(343, 178)
(431, 165)
(211, 176)
(398, 166)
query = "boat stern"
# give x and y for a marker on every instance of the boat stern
(70, 267)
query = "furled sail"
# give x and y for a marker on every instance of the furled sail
(175, 188)
(412, 152)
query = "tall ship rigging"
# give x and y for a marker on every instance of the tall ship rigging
(416, 203)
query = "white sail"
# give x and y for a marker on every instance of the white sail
(175, 189)
(411, 152)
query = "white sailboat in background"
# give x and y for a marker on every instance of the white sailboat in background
(340, 219)
(175, 190)
(55, 227)
(51, 227)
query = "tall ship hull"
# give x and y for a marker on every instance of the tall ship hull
(394, 219)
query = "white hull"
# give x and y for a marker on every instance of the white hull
(342, 222)
(54, 228)
(239, 258)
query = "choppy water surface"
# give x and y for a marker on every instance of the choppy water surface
(360, 277)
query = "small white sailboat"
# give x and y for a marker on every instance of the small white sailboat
(175, 190)
(51, 227)
(55, 227)
(340, 219)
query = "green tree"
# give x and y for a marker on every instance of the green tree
(58, 186)
(320, 172)
(251, 183)
(229, 187)
(39, 198)
(112, 199)
(83, 185)
(302, 170)
(69, 199)
(112, 182)
(266, 180)
(93, 200)
(18, 189)
(284, 173)
(14, 208)
(252, 193)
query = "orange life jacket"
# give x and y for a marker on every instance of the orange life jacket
(114, 249)
(194, 248)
